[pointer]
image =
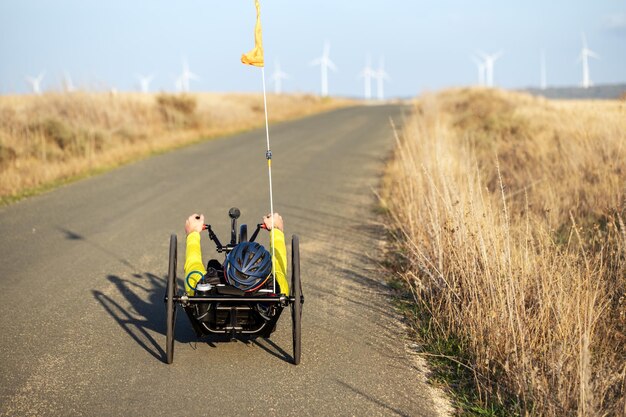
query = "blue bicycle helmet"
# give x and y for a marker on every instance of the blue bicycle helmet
(248, 266)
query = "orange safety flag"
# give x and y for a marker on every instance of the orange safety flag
(255, 56)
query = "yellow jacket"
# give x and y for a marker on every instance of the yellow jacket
(195, 266)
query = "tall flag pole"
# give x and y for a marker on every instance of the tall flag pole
(255, 58)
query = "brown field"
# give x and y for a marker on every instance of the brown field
(509, 212)
(58, 136)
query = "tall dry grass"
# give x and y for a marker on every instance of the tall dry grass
(56, 136)
(510, 215)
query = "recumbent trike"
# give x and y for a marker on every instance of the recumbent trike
(222, 309)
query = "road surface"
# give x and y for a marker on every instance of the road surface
(83, 273)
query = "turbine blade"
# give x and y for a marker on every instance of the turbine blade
(592, 54)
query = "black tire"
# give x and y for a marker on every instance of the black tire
(296, 293)
(170, 305)
(243, 233)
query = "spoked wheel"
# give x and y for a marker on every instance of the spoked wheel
(296, 293)
(170, 306)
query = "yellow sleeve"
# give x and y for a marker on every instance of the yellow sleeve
(280, 259)
(193, 262)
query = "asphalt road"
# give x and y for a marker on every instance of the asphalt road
(82, 278)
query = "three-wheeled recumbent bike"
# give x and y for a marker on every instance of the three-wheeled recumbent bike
(220, 309)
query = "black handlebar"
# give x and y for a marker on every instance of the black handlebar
(256, 232)
(214, 238)
(234, 214)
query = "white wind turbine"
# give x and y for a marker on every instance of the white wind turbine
(144, 82)
(381, 76)
(480, 66)
(68, 85)
(35, 82)
(544, 77)
(489, 62)
(277, 77)
(585, 53)
(182, 82)
(367, 73)
(324, 62)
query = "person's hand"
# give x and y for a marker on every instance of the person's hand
(278, 221)
(195, 223)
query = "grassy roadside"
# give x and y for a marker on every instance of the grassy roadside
(448, 357)
(508, 213)
(50, 140)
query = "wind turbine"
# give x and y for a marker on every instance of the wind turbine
(277, 76)
(480, 65)
(144, 82)
(585, 53)
(68, 85)
(182, 83)
(489, 61)
(367, 73)
(35, 82)
(381, 76)
(324, 62)
(544, 78)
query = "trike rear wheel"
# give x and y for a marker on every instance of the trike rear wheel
(296, 293)
(170, 305)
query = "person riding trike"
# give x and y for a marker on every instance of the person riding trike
(242, 297)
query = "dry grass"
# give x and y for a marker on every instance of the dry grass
(510, 216)
(45, 139)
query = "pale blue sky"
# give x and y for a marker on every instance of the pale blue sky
(427, 45)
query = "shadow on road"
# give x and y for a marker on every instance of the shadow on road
(142, 313)
(371, 398)
(72, 235)
(273, 349)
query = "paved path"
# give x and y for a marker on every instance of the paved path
(82, 282)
